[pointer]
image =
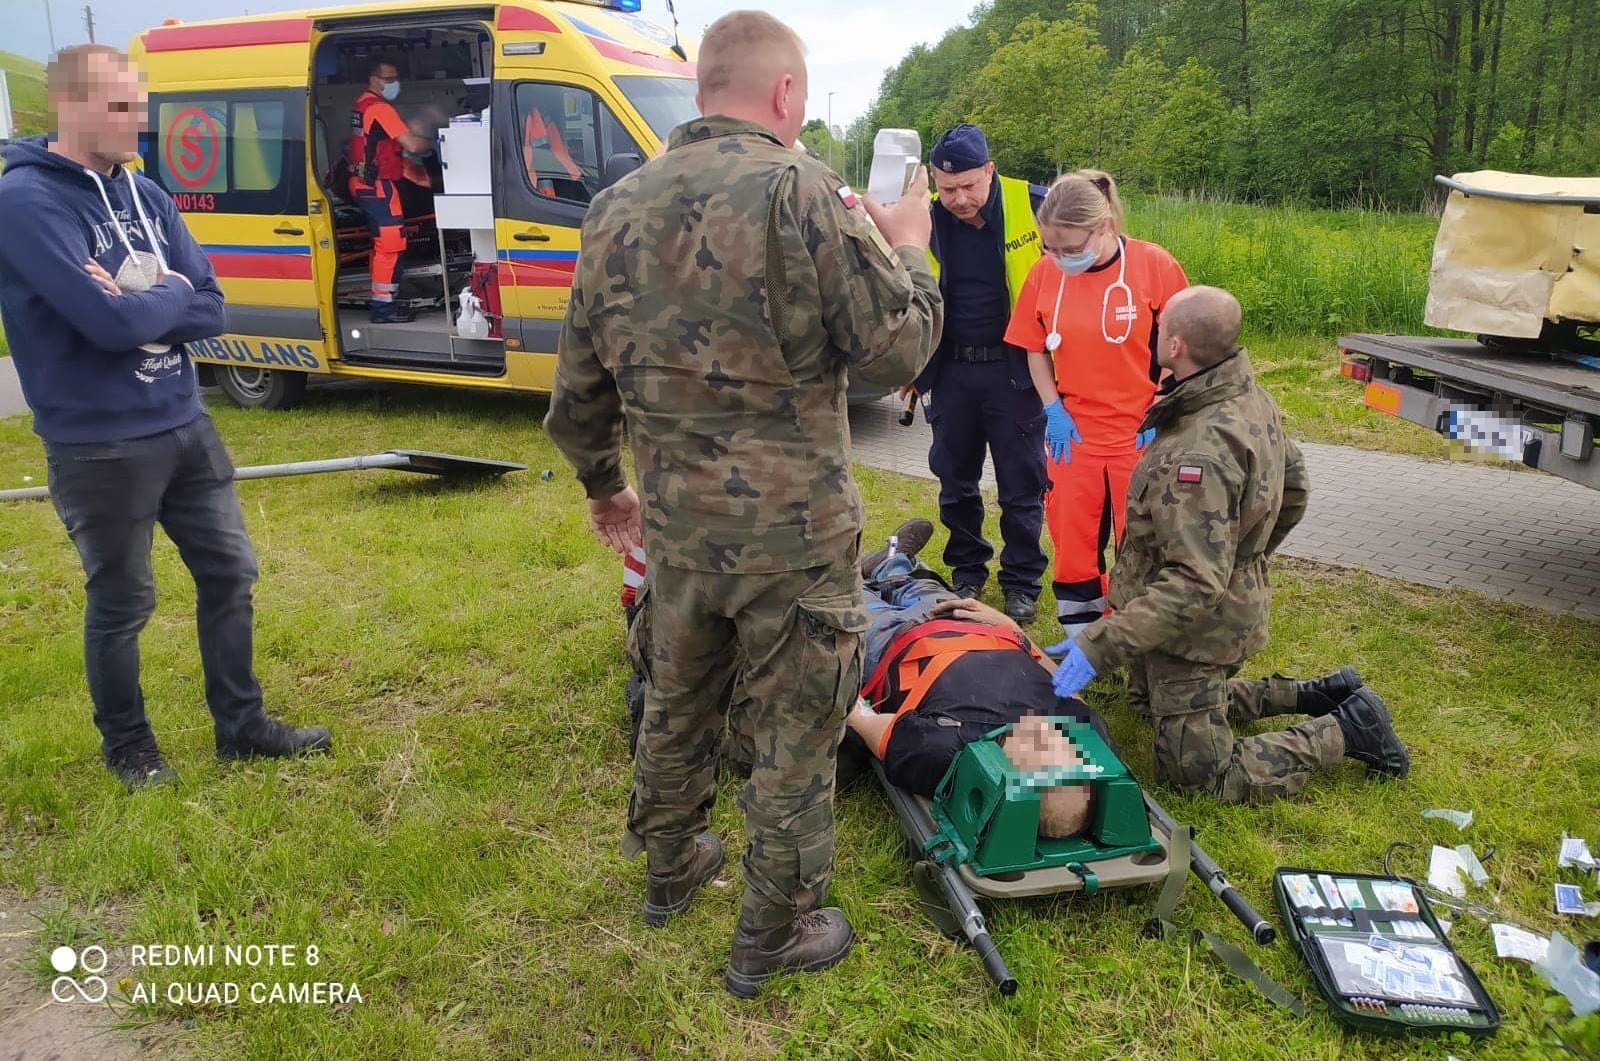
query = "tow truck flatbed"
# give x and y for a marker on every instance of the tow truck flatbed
(1538, 408)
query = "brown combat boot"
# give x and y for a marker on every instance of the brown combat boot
(666, 894)
(810, 943)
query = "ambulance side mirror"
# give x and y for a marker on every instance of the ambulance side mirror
(619, 166)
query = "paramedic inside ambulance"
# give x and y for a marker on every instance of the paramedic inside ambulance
(378, 136)
(547, 160)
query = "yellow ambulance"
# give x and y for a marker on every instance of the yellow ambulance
(539, 104)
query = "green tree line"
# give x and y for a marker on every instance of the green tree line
(1330, 101)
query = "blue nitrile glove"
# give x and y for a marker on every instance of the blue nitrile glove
(1074, 672)
(1143, 438)
(1060, 432)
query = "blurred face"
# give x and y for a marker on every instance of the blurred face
(105, 123)
(964, 193)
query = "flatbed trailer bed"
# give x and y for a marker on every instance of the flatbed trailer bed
(1538, 408)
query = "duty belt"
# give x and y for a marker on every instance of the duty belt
(979, 353)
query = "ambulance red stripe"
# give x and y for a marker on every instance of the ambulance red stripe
(236, 266)
(233, 35)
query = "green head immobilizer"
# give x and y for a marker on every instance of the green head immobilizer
(987, 810)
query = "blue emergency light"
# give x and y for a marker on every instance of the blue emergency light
(624, 5)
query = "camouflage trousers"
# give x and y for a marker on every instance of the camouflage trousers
(1194, 707)
(793, 641)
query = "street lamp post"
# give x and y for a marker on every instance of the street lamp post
(830, 128)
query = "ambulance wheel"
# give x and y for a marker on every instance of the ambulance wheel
(261, 388)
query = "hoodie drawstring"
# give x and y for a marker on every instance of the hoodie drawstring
(149, 234)
(144, 222)
(138, 206)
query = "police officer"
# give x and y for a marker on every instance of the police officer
(722, 293)
(981, 395)
(1211, 498)
(376, 168)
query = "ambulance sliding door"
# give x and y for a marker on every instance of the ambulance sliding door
(234, 161)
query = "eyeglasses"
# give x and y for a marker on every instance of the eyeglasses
(1072, 251)
(391, 79)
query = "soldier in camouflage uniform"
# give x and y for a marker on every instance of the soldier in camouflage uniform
(722, 291)
(1213, 495)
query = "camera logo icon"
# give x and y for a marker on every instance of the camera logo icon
(87, 964)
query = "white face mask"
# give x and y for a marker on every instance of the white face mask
(391, 91)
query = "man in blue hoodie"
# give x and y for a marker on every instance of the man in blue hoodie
(100, 286)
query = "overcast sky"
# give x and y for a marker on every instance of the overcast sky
(851, 42)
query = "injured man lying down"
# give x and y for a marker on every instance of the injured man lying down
(942, 671)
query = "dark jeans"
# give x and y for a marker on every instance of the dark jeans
(110, 496)
(977, 408)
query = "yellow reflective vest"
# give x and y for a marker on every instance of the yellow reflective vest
(1021, 237)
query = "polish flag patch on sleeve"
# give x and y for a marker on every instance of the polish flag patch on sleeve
(1190, 473)
(848, 197)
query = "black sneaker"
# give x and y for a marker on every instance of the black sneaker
(1020, 606)
(910, 537)
(1369, 735)
(271, 739)
(142, 766)
(391, 313)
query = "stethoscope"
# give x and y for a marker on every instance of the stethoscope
(1127, 312)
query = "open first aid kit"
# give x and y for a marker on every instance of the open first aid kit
(1379, 955)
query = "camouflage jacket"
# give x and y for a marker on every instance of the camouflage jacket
(1211, 498)
(721, 292)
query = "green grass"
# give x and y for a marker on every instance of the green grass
(457, 856)
(25, 80)
(1300, 271)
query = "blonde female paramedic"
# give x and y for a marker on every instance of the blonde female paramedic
(1088, 316)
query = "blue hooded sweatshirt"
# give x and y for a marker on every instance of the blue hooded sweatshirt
(96, 367)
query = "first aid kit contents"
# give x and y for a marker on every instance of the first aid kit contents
(1379, 955)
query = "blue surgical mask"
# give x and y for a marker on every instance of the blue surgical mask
(1073, 264)
(391, 91)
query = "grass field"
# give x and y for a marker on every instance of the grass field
(457, 857)
(1300, 272)
(25, 80)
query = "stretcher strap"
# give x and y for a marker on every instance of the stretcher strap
(921, 663)
(891, 655)
(1160, 923)
(1240, 965)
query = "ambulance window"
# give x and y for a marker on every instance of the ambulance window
(556, 135)
(231, 152)
(614, 139)
(256, 131)
(663, 102)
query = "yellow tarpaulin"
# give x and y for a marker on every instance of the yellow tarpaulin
(1502, 267)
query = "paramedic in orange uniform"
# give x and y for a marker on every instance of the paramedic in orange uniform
(1088, 316)
(545, 155)
(378, 135)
